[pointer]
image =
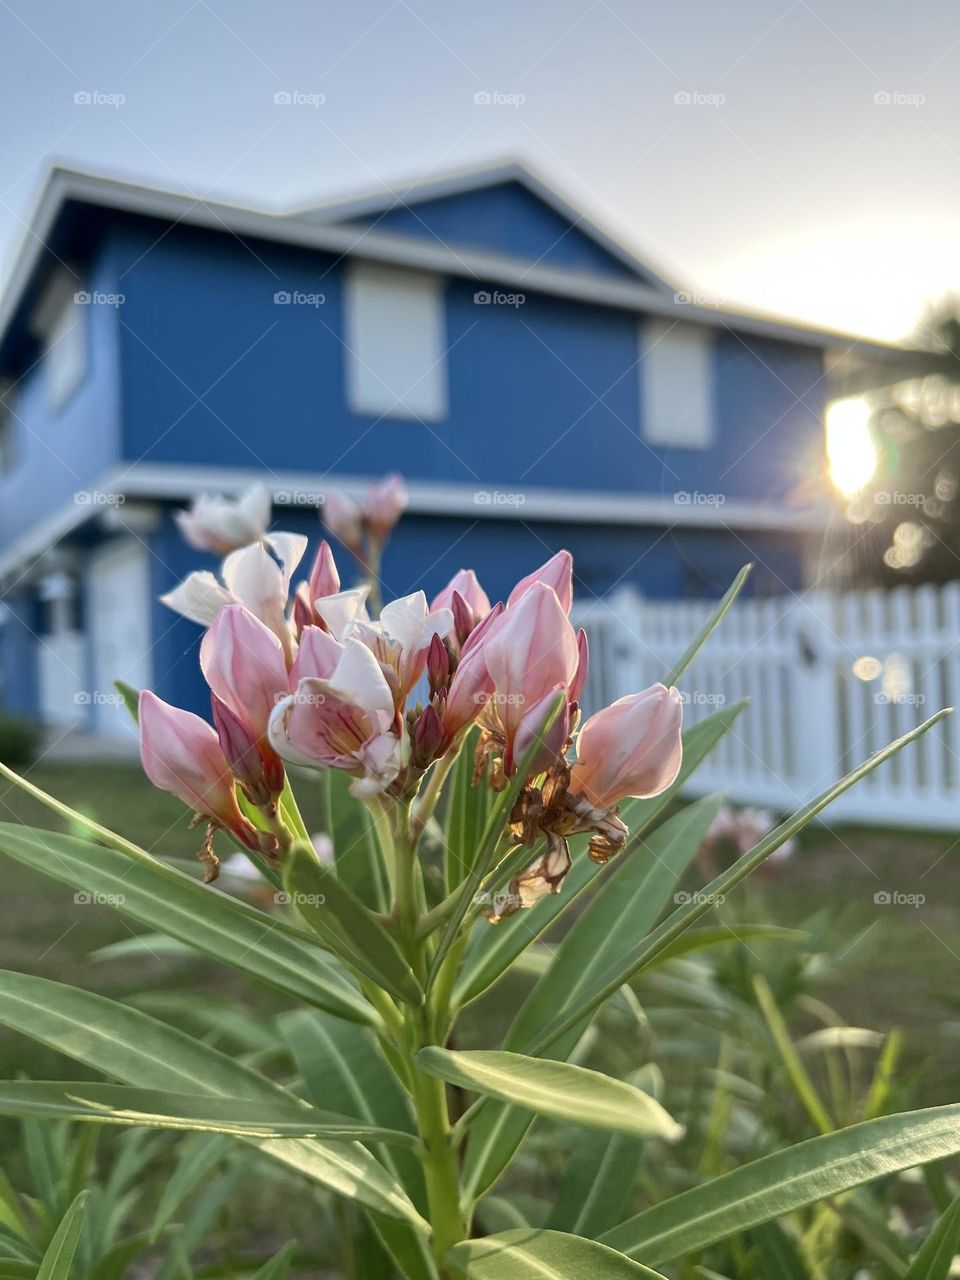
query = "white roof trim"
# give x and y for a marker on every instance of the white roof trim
(111, 193)
(466, 501)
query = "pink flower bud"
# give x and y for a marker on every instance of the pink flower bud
(464, 619)
(181, 754)
(583, 667)
(344, 519)
(324, 578)
(464, 582)
(242, 661)
(385, 504)
(427, 737)
(222, 525)
(530, 651)
(438, 666)
(631, 748)
(556, 573)
(553, 740)
(243, 755)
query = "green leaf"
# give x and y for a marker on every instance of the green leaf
(466, 816)
(708, 627)
(796, 1073)
(158, 1109)
(210, 922)
(936, 1255)
(529, 1254)
(493, 950)
(553, 1089)
(344, 1070)
(135, 1048)
(131, 698)
(358, 858)
(778, 1184)
(58, 1259)
(346, 926)
(279, 1264)
(596, 1184)
(625, 907)
(648, 950)
(781, 1258)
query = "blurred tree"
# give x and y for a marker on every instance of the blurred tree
(911, 505)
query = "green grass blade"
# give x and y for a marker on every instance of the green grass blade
(703, 635)
(765, 1189)
(58, 1260)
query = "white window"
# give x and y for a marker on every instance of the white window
(677, 403)
(395, 343)
(60, 321)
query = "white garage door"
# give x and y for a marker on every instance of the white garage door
(119, 616)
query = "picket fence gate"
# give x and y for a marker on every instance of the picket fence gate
(831, 678)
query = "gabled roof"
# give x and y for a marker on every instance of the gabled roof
(69, 194)
(376, 202)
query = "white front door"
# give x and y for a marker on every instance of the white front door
(119, 614)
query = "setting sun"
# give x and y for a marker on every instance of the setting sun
(851, 454)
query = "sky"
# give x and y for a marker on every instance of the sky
(792, 157)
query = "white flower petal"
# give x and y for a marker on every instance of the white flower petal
(200, 597)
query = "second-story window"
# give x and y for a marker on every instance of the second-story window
(60, 321)
(677, 396)
(395, 343)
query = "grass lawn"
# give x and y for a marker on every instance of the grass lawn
(900, 963)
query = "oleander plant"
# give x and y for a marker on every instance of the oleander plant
(469, 807)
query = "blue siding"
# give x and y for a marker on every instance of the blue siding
(63, 453)
(544, 394)
(508, 219)
(19, 666)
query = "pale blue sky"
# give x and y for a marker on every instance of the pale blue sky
(787, 186)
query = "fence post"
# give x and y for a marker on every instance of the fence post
(815, 696)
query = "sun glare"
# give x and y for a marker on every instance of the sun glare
(851, 454)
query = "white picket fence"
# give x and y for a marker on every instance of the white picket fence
(830, 678)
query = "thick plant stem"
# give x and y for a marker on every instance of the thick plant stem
(440, 1165)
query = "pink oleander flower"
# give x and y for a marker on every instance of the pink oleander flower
(346, 721)
(181, 754)
(385, 504)
(344, 518)
(529, 652)
(556, 573)
(631, 748)
(401, 638)
(373, 518)
(324, 580)
(222, 525)
(252, 577)
(465, 583)
(242, 662)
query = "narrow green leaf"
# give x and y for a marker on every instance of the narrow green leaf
(530, 1254)
(346, 926)
(700, 639)
(691, 911)
(132, 1047)
(279, 1264)
(200, 916)
(58, 1259)
(796, 1073)
(158, 1109)
(131, 698)
(554, 1089)
(356, 850)
(936, 1255)
(492, 835)
(626, 906)
(596, 1185)
(493, 949)
(781, 1258)
(817, 1169)
(466, 816)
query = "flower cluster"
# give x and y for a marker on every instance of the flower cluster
(307, 676)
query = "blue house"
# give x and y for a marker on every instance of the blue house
(537, 384)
